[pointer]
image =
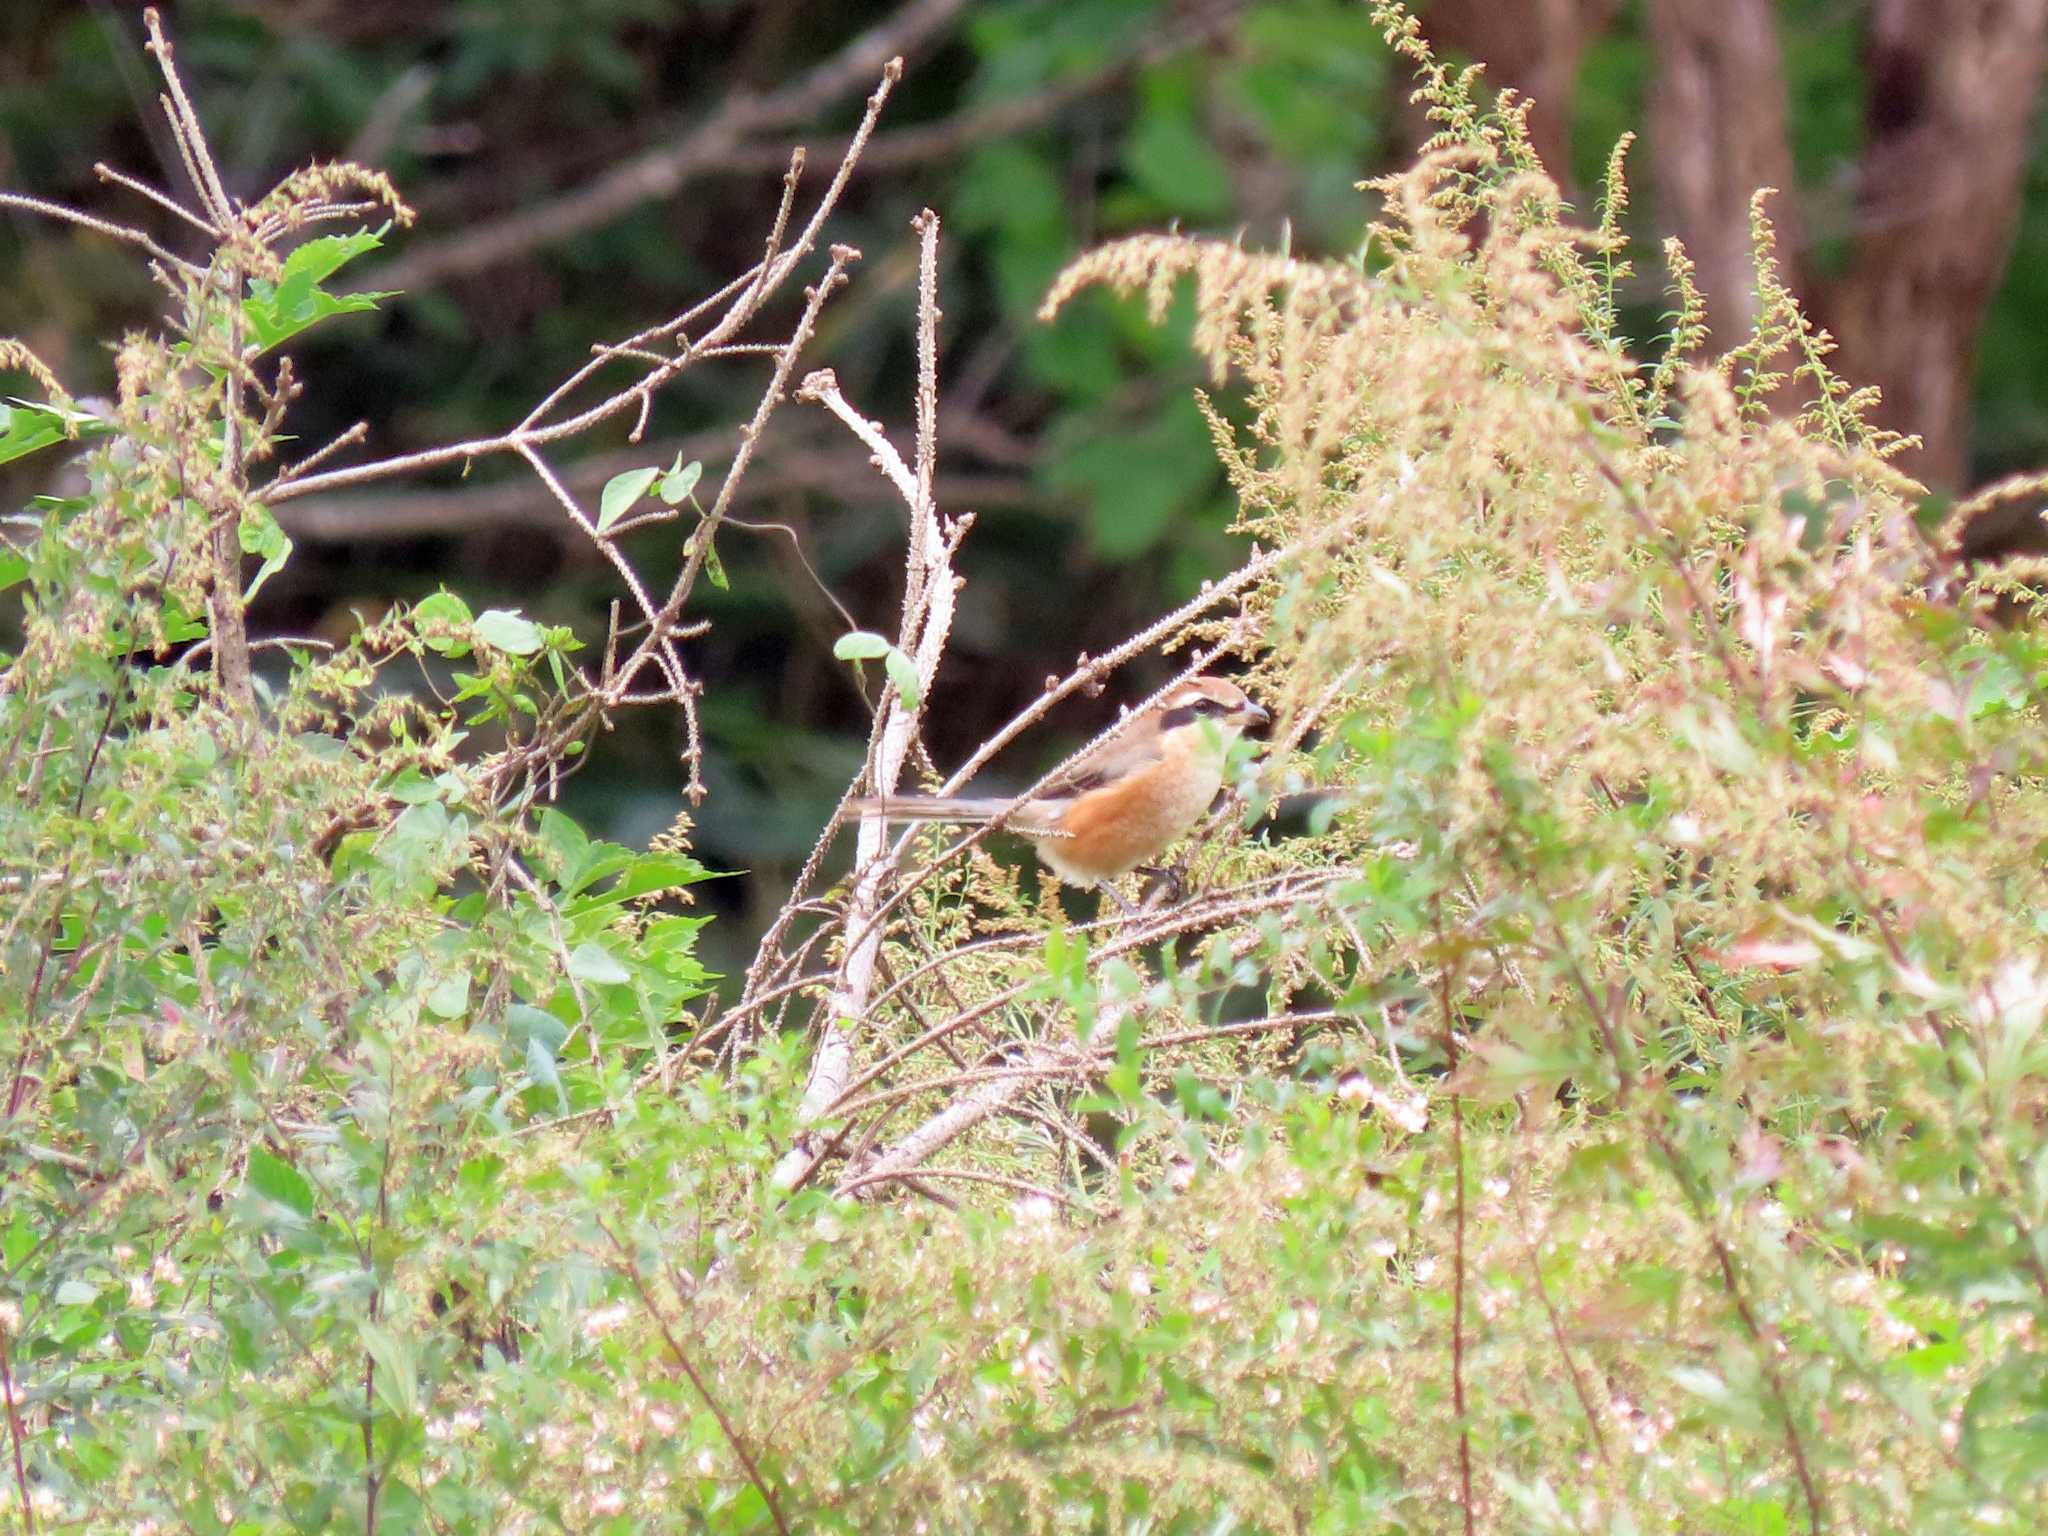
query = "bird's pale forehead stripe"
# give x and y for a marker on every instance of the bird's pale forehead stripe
(1205, 688)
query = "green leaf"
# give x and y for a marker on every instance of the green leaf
(27, 425)
(713, 566)
(443, 610)
(567, 841)
(449, 998)
(280, 1183)
(1139, 482)
(620, 492)
(1170, 158)
(641, 875)
(540, 1066)
(13, 566)
(903, 673)
(594, 963)
(276, 312)
(319, 259)
(508, 632)
(75, 1293)
(260, 535)
(525, 1023)
(397, 1378)
(861, 645)
(680, 480)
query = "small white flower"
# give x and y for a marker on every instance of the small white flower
(609, 1502)
(1034, 1210)
(1036, 1363)
(2016, 995)
(601, 1322)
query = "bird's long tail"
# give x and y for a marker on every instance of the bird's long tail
(966, 809)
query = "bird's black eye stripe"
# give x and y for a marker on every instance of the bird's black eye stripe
(1190, 712)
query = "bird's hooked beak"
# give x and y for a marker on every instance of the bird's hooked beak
(1256, 717)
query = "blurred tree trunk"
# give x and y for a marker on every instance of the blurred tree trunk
(1953, 85)
(1534, 46)
(1952, 92)
(1718, 132)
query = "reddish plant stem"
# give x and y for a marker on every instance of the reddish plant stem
(28, 1515)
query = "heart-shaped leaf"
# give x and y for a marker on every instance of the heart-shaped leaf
(620, 492)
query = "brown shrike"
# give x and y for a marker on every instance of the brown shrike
(1123, 804)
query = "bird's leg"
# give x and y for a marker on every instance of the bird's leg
(1116, 896)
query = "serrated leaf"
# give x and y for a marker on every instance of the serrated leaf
(619, 494)
(861, 645)
(276, 312)
(508, 631)
(680, 480)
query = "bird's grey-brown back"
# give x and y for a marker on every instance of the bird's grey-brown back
(1121, 803)
(1138, 742)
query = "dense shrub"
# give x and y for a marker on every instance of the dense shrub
(1620, 1107)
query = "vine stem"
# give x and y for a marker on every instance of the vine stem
(28, 1513)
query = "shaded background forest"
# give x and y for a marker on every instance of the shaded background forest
(582, 166)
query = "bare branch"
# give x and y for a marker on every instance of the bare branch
(105, 227)
(661, 172)
(929, 590)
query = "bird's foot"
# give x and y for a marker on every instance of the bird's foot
(1165, 886)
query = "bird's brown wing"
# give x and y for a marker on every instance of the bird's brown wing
(1114, 760)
